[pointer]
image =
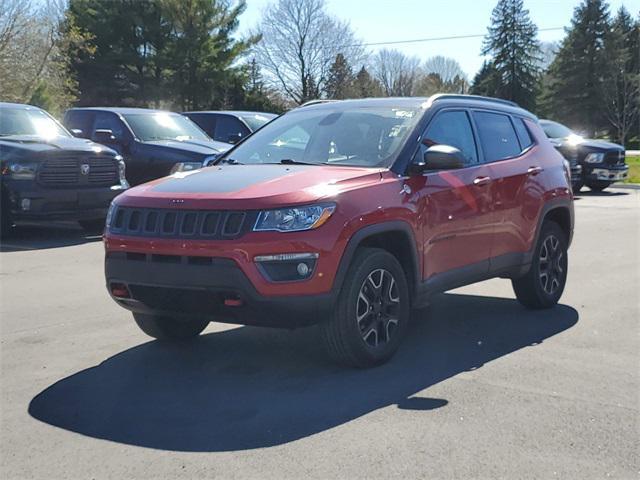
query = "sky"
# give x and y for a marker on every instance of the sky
(391, 20)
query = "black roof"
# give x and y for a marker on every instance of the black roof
(18, 106)
(235, 113)
(121, 110)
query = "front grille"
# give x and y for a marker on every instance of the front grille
(614, 157)
(64, 171)
(188, 224)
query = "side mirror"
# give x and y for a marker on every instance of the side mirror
(438, 157)
(104, 136)
(76, 132)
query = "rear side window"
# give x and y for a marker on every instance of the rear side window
(229, 129)
(523, 133)
(497, 136)
(79, 120)
(454, 129)
(205, 121)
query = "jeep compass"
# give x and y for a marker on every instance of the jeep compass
(347, 214)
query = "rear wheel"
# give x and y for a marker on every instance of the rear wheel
(372, 312)
(169, 328)
(92, 226)
(543, 285)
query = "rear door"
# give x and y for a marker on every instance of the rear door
(510, 152)
(79, 122)
(458, 220)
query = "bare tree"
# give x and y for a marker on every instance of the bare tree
(397, 73)
(300, 41)
(445, 67)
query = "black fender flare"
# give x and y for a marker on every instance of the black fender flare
(369, 231)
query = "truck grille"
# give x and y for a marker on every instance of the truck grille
(69, 171)
(187, 224)
(614, 157)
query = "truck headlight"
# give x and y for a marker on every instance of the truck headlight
(122, 171)
(294, 219)
(23, 171)
(185, 167)
(594, 158)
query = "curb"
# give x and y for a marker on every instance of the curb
(628, 186)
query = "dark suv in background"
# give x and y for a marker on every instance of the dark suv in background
(47, 174)
(154, 143)
(594, 163)
(230, 126)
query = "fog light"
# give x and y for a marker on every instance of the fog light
(303, 269)
(120, 290)
(25, 204)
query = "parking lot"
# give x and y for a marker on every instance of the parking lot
(481, 387)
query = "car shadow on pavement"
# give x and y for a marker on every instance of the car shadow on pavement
(604, 193)
(248, 387)
(46, 235)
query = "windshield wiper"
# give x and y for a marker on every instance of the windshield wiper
(289, 161)
(230, 161)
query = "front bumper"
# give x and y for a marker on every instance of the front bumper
(206, 287)
(29, 201)
(609, 173)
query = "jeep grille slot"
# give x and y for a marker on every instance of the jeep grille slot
(176, 223)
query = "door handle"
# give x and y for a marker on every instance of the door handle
(481, 181)
(534, 170)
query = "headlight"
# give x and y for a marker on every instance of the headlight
(185, 167)
(294, 219)
(23, 171)
(122, 170)
(110, 212)
(594, 158)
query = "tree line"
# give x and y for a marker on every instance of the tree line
(187, 55)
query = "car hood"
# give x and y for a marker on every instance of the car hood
(250, 186)
(589, 144)
(35, 144)
(204, 147)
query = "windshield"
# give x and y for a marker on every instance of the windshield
(22, 121)
(258, 120)
(555, 130)
(353, 136)
(164, 126)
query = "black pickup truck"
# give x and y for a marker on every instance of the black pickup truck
(594, 163)
(47, 174)
(153, 143)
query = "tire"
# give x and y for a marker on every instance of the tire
(376, 290)
(6, 222)
(92, 226)
(542, 286)
(169, 328)
(598, 186)
(577, 186)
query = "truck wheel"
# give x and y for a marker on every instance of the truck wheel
(92, 226)
(577, 186)
(372, 313)
(6, 222)
(598, 186)
(169, 328)
(542, 286)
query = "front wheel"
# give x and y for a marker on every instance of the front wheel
(372, 312)
(598, 186)
(169, 328)
(543, 285)
(92, 226)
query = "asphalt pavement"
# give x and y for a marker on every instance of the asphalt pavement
(481, 388)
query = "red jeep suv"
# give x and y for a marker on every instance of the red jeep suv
(347, 214)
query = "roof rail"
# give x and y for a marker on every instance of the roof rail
(453, 96)
(316, 102)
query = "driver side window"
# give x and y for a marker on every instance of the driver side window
(108, 121)
(452, 128)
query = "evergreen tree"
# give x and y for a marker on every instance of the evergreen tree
(487, 81)
(365, 86)
(511, 41)
(621, 86)
(576, 76)
(340, 82)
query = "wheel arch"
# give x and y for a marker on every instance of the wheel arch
(397, 238)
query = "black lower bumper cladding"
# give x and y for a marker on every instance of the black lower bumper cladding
(213, 288)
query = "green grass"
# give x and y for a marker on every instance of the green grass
(634, 169)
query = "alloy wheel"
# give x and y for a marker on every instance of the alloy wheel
(551, 265)
(378, 308)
